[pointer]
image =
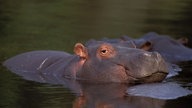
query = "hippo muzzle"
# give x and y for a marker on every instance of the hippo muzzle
(142, 66)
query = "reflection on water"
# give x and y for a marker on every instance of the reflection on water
(27, 25)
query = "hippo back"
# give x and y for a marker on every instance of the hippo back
(32, 65)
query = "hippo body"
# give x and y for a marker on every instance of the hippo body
(98, 63)
(172, 50)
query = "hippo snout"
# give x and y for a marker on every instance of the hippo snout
(160, 63)
(147, 67)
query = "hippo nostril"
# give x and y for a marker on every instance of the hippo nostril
(156, 55)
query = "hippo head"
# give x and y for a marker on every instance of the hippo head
(172, 50)
(107, 62)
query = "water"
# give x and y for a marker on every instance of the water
(27, 25)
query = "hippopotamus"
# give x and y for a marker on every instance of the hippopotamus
(100, 62)
(172, 50)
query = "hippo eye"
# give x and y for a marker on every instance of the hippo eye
(104, 51)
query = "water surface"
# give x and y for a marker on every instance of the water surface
(27, 25)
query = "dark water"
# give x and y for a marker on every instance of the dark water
(27, 25)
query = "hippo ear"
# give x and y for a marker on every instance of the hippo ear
(80, 50)
(143, 44)
(146, 46)
(183, 40)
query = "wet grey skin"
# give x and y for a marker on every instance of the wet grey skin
(172, 50)
(96, 63)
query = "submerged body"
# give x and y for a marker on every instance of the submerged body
(100, 62)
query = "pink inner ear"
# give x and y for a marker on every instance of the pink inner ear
(80, 50)
(146, 46)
